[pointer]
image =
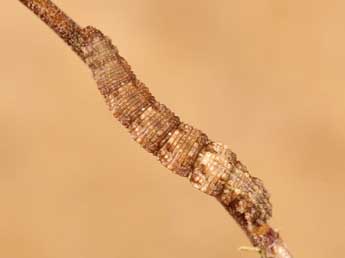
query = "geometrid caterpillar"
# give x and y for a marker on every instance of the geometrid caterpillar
(211, 167)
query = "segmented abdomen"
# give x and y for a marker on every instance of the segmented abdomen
(211, 167)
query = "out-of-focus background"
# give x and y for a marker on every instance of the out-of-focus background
(265, 77)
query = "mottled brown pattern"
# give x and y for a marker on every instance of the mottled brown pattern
(152, 128)
(218, 172)
(109, 69)
(129, 102)
(213, 168)
(181, 150)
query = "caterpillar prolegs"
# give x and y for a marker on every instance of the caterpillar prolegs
(211, 167)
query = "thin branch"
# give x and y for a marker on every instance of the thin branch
(211, 167)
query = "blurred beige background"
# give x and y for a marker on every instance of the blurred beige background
(266, 77)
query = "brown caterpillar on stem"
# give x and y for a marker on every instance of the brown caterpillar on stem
(211, 167)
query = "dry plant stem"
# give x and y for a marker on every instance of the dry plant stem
(211, 167)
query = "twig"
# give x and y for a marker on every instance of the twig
(211, 167)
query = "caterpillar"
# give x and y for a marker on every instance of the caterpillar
(211, 167)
